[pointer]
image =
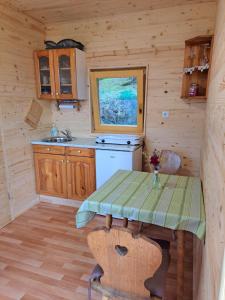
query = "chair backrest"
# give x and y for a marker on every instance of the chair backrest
(127, 260)
(170, 162)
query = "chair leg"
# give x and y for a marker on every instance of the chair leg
(125, 222)
(174, 237)
(140, 228)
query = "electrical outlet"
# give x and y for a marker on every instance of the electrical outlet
(165, 114)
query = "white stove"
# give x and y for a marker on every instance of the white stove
(120, 139)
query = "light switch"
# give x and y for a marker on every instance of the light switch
(165, 114)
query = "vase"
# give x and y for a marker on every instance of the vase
(156, 180)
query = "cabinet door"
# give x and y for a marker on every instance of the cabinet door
(80, 177)
(44, 69)
(65, 70)
(50, 174)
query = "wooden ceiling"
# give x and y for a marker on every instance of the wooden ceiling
(51, 11)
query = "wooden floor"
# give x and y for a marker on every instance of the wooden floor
(43, 256)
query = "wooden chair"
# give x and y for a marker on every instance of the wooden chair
(170, 162)
(130, 267)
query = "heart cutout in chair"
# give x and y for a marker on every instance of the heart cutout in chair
(121, 250)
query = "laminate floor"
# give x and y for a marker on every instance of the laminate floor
(43, 256)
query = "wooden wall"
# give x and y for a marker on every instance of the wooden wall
(154, 38)
(5, 214)
(213, 164)
(19, 36)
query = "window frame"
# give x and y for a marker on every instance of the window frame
(140, 74)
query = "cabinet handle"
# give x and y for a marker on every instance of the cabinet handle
(48, 149)
(57, 93)
(79, 151)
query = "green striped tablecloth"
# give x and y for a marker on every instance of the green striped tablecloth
(129, 194)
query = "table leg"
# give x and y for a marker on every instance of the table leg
(125, 222)
(108, 221)
(180, 264)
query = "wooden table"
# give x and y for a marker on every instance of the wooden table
(177, 205)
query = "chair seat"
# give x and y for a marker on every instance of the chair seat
(110, 293)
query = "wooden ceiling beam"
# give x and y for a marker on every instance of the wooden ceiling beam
(53, 11)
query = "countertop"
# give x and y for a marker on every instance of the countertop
(88, 143)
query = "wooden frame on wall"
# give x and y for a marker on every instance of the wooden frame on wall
(138, 74)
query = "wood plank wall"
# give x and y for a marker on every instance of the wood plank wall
(154, 38)
(19, 36)
(5, 214)
(214, 169)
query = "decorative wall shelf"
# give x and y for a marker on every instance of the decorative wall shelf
(197, 59)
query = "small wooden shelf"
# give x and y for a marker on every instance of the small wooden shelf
(194, 98)
(197, 53)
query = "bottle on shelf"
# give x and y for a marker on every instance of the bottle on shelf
(193, 90)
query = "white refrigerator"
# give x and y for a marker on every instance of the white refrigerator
(109, 161)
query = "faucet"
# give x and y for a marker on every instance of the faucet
(67, 133)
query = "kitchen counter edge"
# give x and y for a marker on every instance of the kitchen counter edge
(88, 143)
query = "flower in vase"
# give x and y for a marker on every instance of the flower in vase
(155, 160)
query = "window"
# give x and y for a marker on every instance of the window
(118, 100)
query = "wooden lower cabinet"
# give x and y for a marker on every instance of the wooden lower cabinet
(50, 172)
(64, 176)
(80, 177)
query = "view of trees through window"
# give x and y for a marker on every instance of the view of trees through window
(118, 100)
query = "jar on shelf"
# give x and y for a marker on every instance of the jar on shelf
(193, 90)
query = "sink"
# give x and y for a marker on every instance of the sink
(57, 139)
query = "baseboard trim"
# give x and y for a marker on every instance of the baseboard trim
(60, 201)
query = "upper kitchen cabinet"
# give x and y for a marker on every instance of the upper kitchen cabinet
(61, 74)
(65, 74)
(44, 69)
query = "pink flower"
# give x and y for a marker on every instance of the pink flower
(155, 159)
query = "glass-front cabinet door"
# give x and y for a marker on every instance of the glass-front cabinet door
(65, 79)
(44, 67)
